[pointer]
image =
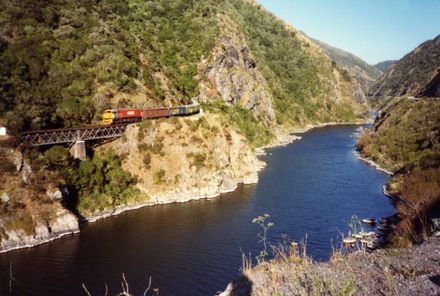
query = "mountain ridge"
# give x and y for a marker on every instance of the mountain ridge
(363, 72)
(385, 65)
(416, 74)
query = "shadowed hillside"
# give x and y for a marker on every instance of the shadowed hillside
(416, 74)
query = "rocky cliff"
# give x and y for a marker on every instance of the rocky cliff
(183, 159)
(31, 207)
(416, 74)
(233, 75)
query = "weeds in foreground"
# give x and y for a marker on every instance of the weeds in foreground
(126, 289)
(265, 226)
(285, 251)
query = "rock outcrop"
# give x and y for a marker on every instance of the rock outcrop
(62, 223)
(181, 159)
(31, 210)
(416, 74)
(233, 75)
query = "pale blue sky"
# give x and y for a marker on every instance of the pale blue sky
(374, 30)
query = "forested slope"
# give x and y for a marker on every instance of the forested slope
(62, 62)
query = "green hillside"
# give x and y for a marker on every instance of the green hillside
(405, 139)
(62, 62)
(364, 73)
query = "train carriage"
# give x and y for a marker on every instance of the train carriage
(177, 110)
(115, 116)
(155, 113)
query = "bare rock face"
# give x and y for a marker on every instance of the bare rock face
(56, 194)
(175, 163)
(61, 224)
(28, 216)
(27, 173)
(233, 74)
(5, 197)
(358, 93)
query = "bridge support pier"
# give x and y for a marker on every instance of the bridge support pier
(78, 150)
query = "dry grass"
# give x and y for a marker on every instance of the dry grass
(420, 196)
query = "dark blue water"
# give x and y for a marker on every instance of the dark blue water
(311, 187)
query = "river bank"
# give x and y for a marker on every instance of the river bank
(222, 184)
(212, 191)
(165, 241)
(372, 163)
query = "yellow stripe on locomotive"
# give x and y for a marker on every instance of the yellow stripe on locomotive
(107, 116)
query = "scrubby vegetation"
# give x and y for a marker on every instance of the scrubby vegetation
(293, 74)
(406, 140)
(253, 128)
(98, 183)
(62, 62)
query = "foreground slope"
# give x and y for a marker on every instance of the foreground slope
(412, 271)
(416, 74)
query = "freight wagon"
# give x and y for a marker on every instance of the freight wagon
(115, 116)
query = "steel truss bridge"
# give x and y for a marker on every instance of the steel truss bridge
(72, 135)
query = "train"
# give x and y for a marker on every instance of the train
(117, 116)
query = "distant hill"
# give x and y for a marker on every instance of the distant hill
(385, 65)
(364, 73)
(416, 74)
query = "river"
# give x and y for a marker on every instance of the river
(311, 188)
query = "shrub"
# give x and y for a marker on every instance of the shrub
(364, 141)
(158, 176)
(198, 159)
(147, 160)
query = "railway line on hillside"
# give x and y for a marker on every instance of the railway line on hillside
(115, 124)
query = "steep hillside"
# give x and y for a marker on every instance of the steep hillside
(364, 73)
(405, 139)
(31, 211)
(62, 63)
(416, 74)
(385, 65)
